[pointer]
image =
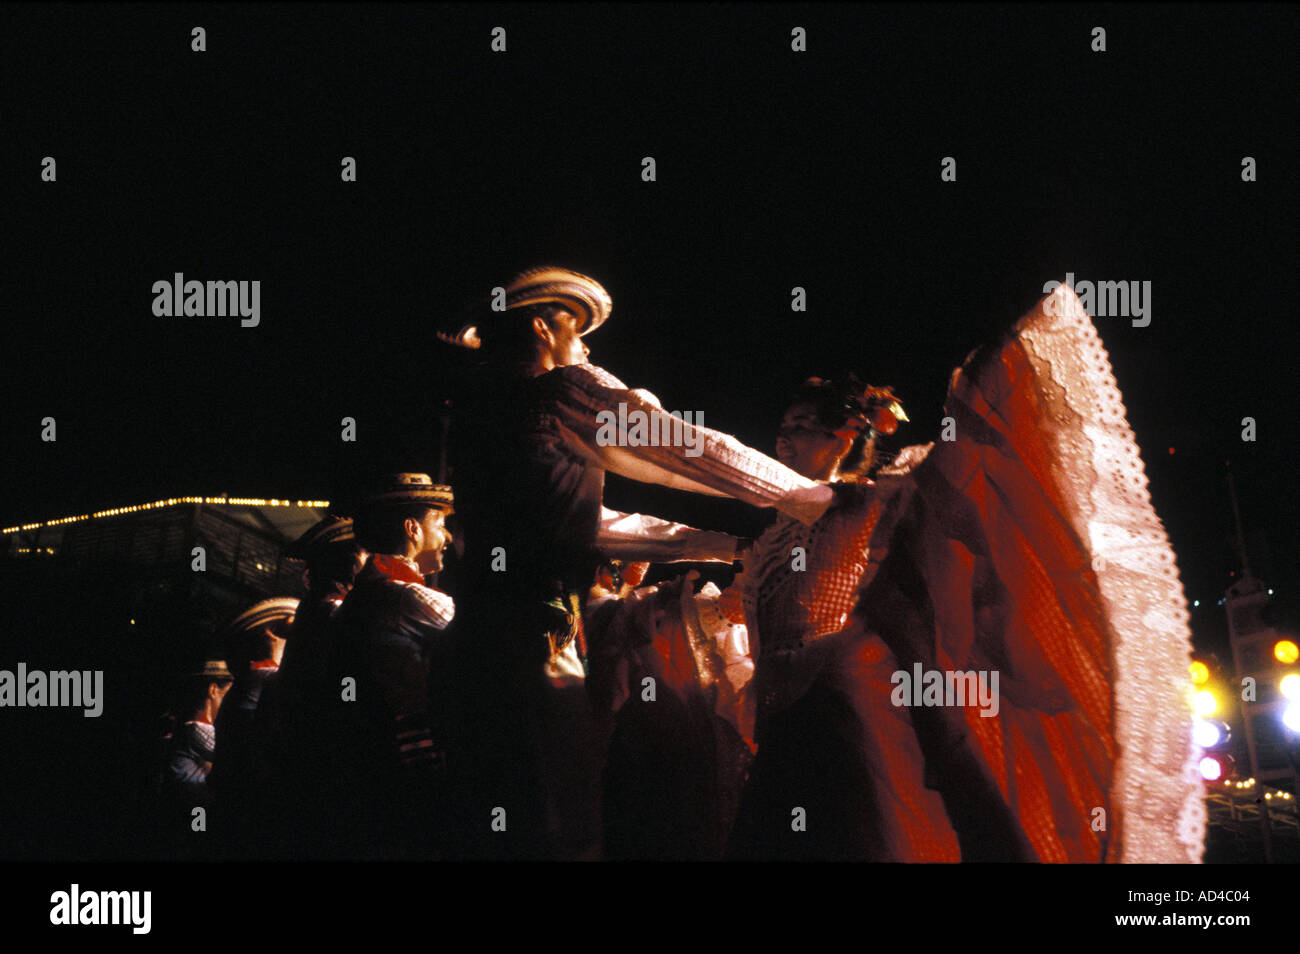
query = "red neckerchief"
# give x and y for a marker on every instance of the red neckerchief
(396, 568)
(264, 664)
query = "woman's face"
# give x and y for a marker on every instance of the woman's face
(804, 445)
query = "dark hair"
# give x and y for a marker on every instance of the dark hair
(511, 336)
(382, 529)
(194, 692)
(334, 565)
(840, 405)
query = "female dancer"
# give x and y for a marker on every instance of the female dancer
(1018, 557)
(839, 773)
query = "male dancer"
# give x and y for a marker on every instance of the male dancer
(531, 443)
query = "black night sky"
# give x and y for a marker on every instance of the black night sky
(775, 169)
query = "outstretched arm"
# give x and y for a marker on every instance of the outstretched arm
(623, 429)
(637, 536)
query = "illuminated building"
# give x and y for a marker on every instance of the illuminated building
(141, 560)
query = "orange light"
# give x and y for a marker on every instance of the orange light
(1204, 703)
(1286, 651)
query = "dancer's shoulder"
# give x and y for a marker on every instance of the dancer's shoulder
(587, 375)
(907, 460)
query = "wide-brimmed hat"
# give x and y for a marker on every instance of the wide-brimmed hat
(213, 669)
(585, 297)
(266, 613)
(331, 530)
(410, 488)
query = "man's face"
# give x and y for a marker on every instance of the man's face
(563, 344)
(432, 539)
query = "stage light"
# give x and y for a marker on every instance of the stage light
(1290, 686)
(1200, 672)
(1216, 767)
(1291, 717)
(1285, 651)
(1206, 734)
(1204, 703)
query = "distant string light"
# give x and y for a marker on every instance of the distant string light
(172, 502)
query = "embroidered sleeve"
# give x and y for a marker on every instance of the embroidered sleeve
(186, 769)
(629, 433)
(635, 536)
(433, 606)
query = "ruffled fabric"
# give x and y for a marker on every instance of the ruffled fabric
(1157, 791)
(1028, 546)
(1025, 548)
